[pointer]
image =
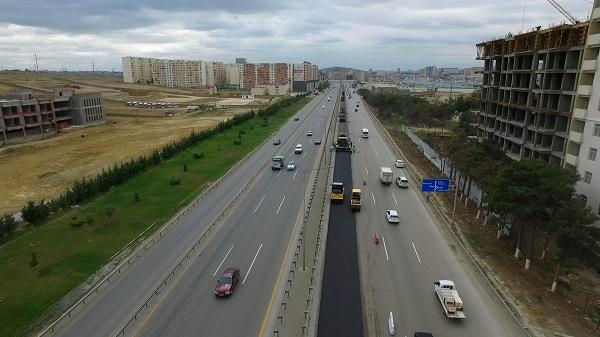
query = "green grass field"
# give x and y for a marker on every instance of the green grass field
(68, 255)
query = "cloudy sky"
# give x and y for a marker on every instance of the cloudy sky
(378, 34)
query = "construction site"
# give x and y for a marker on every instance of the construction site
(41, 169)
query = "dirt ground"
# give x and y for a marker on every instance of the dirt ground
(42, 169)
(544, 313)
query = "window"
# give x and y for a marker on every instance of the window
(592, 154)
(587, 177)
(597, 130)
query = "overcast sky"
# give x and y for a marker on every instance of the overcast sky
(378, 34)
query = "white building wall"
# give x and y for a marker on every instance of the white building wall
(127, 69)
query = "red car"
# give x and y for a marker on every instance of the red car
(227, 282)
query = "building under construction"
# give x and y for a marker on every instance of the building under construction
(27, 115)
(529, 88)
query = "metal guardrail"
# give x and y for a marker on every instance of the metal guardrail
(147, 244)
(313, 279)
(163, 283)
(457, 236)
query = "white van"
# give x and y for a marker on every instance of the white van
(365, 133)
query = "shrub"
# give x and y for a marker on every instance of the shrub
(198, 155)
(110, 211)
(237, 142)
(136, 197)
(174, 181)
(34, 261)
(184, 167)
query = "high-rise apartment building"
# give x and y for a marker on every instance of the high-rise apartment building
(528, 91)
(195, 74)
(584, 132)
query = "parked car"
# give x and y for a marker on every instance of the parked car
(392, 216)
(399, 163)
(291, 166)
(277, 142)
(227, 282)
(402, 182)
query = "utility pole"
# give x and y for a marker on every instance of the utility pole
(36, 62)
(454, 207)
(93, 66)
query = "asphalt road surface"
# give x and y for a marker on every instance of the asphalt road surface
(254, 237)
(397, 275)
(340, 312)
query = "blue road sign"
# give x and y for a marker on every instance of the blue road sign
(435, 185)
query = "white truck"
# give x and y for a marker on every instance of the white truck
(448, 296)
(386, 175)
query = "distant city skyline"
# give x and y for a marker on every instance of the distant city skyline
(380, 34)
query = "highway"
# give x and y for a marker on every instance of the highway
(397, 275)
(254, 237)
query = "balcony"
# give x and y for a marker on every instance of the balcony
(585, 90)
(579, 113)
(576, 137)
(571, 159)
(593, 39)
(588, 65)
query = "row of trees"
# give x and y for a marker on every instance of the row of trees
(85, 188)
(528, 196)
(417, 110)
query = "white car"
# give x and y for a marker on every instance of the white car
(323, 107)
(399, 163)
(392, 216)
(298, 149)
(309, 133)
(291, 166)
(402, 182)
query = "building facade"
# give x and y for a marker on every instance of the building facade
(584, 133)
(32, 115)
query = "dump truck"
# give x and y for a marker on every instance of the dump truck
(386, 175)
(277, 162)
(337, 192)
(342, 113)
(355, 203)
(448, 295)
(343, 143)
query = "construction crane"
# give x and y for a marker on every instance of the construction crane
(563, 11)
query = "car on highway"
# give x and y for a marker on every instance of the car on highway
(399, 163)
(227, 282)
(296, 118)
(298, 149)
(423, 334)
(291, 165)
(402, 182)
(318, 142)
(277, 142)
(392, 216)
(309, 133)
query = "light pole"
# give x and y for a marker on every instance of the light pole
(454, 207)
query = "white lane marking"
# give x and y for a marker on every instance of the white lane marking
(375, 152)
(294, 177)
(417, 254)
(396, 201)
(367, 170)
(257, 206)
(279, 172)
(387, 257)
(304, 155)
(373, 195)
(281, 203)
(225, 258)
(252, 264)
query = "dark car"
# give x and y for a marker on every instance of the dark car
(296, 118)
(277, 142)
(318, 142)
(423, 334)
(227, 282)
